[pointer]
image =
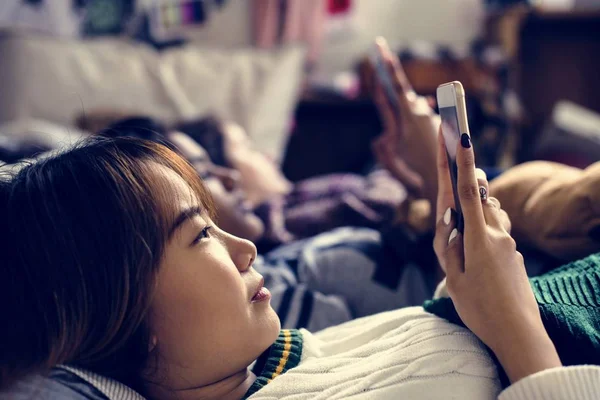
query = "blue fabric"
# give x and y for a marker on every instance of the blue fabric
(343, 274)
(60, 384)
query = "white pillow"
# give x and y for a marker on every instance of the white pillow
(42, 132)
(58, 79)
(258, 89)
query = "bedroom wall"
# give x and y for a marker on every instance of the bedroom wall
(451, 22)
(228, 27)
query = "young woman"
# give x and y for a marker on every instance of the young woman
(114, 267)
(304, 275)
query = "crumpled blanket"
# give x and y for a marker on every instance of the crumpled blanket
(322, 203)
(553, 207)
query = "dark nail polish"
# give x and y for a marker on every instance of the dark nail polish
(465, 141)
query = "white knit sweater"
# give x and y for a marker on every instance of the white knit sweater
(411, 354)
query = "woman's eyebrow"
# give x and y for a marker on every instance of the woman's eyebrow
(183, 217)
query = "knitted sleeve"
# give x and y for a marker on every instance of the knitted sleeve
(563, 383)
(568, 298)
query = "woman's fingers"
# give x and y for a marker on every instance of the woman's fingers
(385, 153)
(506, 223)
(445, 196)
(384, 108)
(403, 89)
(377, 146)
(398, 72)
(449, 254)
(431, 101)
(383, 148)
(406, 175)
(495, 216)
(483, 184)
(468, 188)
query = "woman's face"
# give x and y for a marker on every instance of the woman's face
(209, 317)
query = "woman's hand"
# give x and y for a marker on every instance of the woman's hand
(411, 129)
(384, 149)
(486, 276)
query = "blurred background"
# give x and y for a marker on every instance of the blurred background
(292, 72)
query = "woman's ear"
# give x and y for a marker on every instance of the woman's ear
(152, 343)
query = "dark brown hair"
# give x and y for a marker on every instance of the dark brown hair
(83, 233)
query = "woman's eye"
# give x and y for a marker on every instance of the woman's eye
(204, 234)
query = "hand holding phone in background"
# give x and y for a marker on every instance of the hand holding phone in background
(384, 77)
(410, 126)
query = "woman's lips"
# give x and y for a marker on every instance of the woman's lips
(262, 293)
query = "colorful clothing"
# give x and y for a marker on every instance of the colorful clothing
(282, 356)
(319, 204)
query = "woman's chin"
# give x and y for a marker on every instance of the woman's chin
(274, 324)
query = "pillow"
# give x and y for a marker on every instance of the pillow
(43, 133)
(553, 207)
(257, 89)
(58, 79)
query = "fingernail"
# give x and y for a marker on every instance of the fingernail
(452, 235)
(465, 141)
(447, 216)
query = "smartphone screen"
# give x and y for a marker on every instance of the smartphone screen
(451, 133)
(450, 129)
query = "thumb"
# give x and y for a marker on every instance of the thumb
(431, 101)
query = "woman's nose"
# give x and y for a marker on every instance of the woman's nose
(244, 253)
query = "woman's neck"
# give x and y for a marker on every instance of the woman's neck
(233, 387)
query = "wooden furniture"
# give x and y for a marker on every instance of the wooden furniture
(332, 134)
(554, 56)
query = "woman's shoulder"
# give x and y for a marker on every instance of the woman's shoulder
(393, 354)
(392, 327)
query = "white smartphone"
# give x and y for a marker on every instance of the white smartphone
(453, 111)
(384, 77)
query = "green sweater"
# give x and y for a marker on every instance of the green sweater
(569, 302)
(282, 356)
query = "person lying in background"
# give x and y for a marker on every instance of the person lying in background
(408, 142)
(553, 206)
(301, 209)
(116, 271)
(406, 147)
(235, 213)
(247, 185)
(317, 282)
